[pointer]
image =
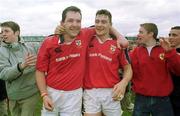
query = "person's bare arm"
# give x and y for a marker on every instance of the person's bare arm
(41, 83)
(122, 42)
(120, 88)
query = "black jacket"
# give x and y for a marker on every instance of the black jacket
(3, 94)
(176, 82)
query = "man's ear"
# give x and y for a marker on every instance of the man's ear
(17, 33)
(151, 33)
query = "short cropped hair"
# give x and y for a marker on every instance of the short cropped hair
(68, 9)
(176, 27)
(105, 12)
(13, 25)
(150, 27)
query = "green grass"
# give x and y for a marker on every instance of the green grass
(127, 113)
(38, 109)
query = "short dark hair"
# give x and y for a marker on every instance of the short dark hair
(150, 27)
(176, 27)
(14, 26)
(70, 8)
(105, 12)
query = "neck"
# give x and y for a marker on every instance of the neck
(68, 38)
(178, 46)
(103, 38)
(151, 42)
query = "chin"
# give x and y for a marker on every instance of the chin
(74, 34)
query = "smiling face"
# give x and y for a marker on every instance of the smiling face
(72, 24)
(102, 25)
(174, 37)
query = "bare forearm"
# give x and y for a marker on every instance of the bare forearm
(121, 40)
(127, 75)
(40, 80)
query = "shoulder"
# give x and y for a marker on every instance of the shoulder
(4, 51)
(135, 50)
(113, 41)
(87, 31)
(51, 39)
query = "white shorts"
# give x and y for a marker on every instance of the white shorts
(67, 103)
(100, 100)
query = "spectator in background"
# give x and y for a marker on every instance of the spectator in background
(171, 46)
(151, 79)
(17, 70)
(3, 99)
(3, 94)
(132, 45)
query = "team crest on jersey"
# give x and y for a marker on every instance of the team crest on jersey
(112, 48)
(78, 42)
(161, 56)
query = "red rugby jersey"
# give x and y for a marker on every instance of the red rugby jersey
(64, 64)
(104, 61)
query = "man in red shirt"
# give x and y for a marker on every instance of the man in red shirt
(61, 66)
(151, 79)
(171, 46)
(103, 86)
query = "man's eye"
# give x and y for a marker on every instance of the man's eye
(104, 22)
(96, 21)
(70, 20)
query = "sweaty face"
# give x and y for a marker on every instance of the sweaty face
(8, 35)
(72, 24)
(174, 37)
(143, 36)
(102, 25)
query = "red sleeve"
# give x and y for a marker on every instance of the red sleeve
(89, 33)
(43, 57)
(173, 61)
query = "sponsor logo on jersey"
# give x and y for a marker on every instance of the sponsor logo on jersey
(67, 57)
(100, 56)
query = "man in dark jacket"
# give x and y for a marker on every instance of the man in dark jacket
(173, 45)
(3, 96)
